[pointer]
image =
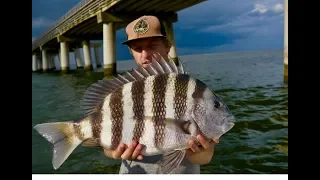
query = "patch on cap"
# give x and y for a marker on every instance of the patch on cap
(141, 27)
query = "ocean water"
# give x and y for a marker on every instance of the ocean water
(251, 83)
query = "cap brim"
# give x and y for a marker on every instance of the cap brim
(126, 42)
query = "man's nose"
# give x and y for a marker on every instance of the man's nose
(146, 53)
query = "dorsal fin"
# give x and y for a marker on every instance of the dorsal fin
(98, 91)
(180, 67)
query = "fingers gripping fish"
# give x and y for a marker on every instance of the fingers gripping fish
(161, 107)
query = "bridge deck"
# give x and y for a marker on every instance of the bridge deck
(81, 21)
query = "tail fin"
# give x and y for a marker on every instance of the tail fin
(62, 136)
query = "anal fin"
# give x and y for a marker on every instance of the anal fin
(91, 143)
(171, 160)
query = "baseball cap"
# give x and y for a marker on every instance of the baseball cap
(144, 27)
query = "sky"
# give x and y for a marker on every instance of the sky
(208, 27)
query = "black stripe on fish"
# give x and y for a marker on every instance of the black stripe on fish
(180, 97)
(159, 108)
(137, 93)
(199, 89)
(96, 122)
(116, 112)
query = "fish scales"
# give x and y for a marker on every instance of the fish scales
(83, 129)
(155, 135)
(137, 91)
(78, 131)
(129, 120)
(116, 108)
(180, 97)
(149, 131)
(170, 93)
(106, 124)
(170, 96)
(161, 89)
(183, 103)
(96, 123)
(158, 108)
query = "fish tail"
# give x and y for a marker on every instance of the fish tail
(63, 136)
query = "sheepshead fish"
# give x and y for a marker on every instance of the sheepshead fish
(160, 106)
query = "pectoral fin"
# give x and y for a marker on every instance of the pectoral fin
(180, 125)
(171, 160)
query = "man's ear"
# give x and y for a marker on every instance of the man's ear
(168, 46)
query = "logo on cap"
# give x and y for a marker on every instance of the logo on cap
(141, 27)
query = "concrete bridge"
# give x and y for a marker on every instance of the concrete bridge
(99, 20)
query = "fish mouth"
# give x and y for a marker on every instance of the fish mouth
(229, 123)
(230, 119)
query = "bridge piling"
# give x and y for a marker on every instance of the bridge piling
(45, 62)
(87, 55)
(109, 49)
(64, 59)
(34, 63)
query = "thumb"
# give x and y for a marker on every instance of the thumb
(215, 141)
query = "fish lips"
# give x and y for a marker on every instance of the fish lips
(230, 121)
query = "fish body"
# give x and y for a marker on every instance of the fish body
(160, 106)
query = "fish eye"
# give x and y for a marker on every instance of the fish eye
(216, 104)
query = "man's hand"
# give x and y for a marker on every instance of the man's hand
(124, 152)
(202, 154)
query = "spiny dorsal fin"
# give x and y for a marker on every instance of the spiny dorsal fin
(98, 91)
(95, 94)
(181, 68)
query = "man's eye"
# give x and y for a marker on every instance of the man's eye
(138, 49)
(153, 45)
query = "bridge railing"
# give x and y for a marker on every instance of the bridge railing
(80, 12)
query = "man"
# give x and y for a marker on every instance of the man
(146, 37)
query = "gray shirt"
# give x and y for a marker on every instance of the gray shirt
(149, 166)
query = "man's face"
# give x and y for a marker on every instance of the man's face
(143, 50)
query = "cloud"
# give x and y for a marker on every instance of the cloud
(232, 25)
(278, 8)
(33, 38)
(247, 22)
(259, 8)
(41, 22)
